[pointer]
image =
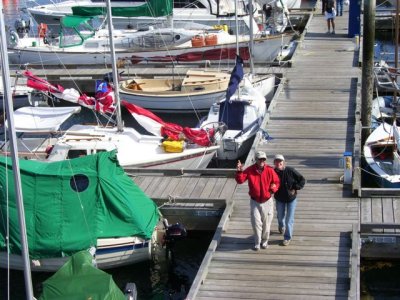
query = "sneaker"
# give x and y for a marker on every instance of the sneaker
(333, 32)
(328, 32)
(264, 245)
(281, 230)
(256, 248)
(286, 242)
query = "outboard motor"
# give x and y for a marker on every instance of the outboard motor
(22, 27)
(173, 233)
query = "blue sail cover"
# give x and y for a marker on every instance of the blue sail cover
(231, 113)
(236, 77)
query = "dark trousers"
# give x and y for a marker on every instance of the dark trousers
(324, 5)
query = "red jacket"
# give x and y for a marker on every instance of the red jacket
(259, 183)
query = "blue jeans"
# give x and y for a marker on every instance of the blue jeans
(339, 7)
(285, 213)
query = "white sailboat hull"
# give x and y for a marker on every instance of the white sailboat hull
(381, 157)
(265, 50)
(110, 253)
(176, 104)
(133, 149)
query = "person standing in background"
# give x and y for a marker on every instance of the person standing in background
(330, 15)
(286, 196)
(263, 181)
(339, 7)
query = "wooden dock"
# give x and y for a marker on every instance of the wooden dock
(312, 123)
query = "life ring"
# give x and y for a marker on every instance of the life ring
(14, 38)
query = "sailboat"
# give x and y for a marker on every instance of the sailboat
(196, 91)
(184, 147)
(381, 153)
(206, 12)
(81, 44)
(239, 115)
(94, 204)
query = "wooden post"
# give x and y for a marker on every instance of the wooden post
(367, 83)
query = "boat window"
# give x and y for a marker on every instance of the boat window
(91, 45)
(76, 153)
(79, 182)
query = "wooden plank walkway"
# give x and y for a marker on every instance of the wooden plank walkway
(312, 125)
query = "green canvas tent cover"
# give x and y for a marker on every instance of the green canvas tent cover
(70, 204)
(152, 8)
(79, 279)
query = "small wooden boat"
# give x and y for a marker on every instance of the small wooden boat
(198, 90)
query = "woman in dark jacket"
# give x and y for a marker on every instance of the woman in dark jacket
(286, 196)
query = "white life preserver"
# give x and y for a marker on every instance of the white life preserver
(13, 38)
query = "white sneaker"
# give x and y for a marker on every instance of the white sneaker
(264, 245)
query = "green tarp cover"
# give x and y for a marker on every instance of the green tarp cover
(152, 8)
(73, 21)
(79, 279)
(71, 203)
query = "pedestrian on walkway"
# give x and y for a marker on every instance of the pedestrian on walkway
(330, 15)
(339, 7)
(263, 182)
(286, 196)
(323, 6)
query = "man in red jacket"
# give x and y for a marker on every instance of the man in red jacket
(263, 181)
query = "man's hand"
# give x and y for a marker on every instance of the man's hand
(239, 166)
(272, 186)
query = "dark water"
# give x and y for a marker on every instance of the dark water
(380, 280)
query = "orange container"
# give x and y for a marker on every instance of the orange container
(211, 40)
(198, 41)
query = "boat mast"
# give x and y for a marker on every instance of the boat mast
(114, 67)
(251, 36)
(237, 40)
(396, 63)
(14, 157)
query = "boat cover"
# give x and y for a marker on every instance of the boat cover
(70, 204)
(231, 113)
(42, 119)
(79, 279)
(152, 8)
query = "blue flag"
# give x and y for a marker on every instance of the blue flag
(236, 77)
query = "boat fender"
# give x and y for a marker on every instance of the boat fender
(48, 150)
(14, 38)
(173, 146)
(42, 30)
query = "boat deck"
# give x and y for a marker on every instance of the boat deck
(312, 123)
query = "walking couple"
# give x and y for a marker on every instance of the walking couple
(282, 181)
